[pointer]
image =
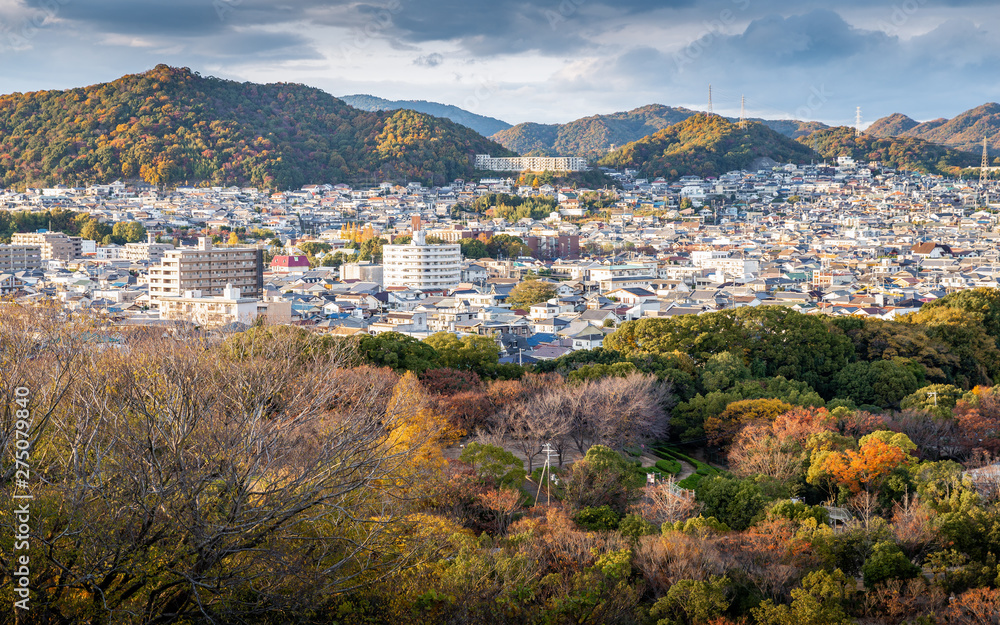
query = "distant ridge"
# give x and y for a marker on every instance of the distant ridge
(908, 153)
(706, 145)
(482, 124)
(594, 136)
(963, 132)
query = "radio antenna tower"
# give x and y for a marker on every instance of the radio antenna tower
(982, 172)
(743, 112)
(857, 123)
(710, 99)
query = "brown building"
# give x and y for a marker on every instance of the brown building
(54, 245)
(208, 269)
(20, 258)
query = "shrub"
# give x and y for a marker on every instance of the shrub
(887, 562)
(599, 519)
(635, 527)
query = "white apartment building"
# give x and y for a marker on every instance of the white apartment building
(150, 251)
(418, 265)
(723, 263)
(531, 163)
(207, 269)
(210, 311)
(20, 258)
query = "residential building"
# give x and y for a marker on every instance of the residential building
(20, 258)
(150, 251)
(420, 265)
(207, 269)
(54, 245)
(209, 311)
(531, 163)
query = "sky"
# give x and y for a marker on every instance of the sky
(547, 61)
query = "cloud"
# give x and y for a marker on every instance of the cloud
(429, 60)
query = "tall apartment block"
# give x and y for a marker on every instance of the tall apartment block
(54, 245)
(207, 269)
(420, 265)
(15, 258)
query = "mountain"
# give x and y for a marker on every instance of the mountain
(791, 128)
(964, 132)
(591, 136)
(706, 145)
(596, 135)
(892, 126)
(485, 126)
(907, 153)
(170, 125)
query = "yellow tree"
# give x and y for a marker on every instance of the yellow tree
(234, 239)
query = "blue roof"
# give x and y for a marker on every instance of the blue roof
(542, 337)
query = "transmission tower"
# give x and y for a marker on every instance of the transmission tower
(982, 172)
(857, 123)
(743, 113)
(710, 99)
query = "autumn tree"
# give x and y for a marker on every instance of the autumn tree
(877, 456)
(721, 429)
(530, 292)
(180, 475)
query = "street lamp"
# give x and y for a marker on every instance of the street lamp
(934, 395)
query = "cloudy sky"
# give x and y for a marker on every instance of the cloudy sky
(538, 60)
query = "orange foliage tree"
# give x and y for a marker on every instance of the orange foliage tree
(868, 467)
(722, 428)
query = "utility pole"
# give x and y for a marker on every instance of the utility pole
(546, 471)
(982, 174)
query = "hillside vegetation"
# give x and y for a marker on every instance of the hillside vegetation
(962, 132)
(482, 124)
(906, 153)
(706, 145)
(169, 125)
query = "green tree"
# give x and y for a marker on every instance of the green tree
(883, 383)
(397, 351)
(313, 248)
(692, 602)
(530, 292)
(820, 601)
(603, 477)
(473, 248)
(471, 353)
(735, 502)
(888, 562)
(128, 232)
(937, 399)
(495, 464)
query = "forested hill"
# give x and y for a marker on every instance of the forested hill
(962, 132)
(906, 153)
(591, 136)
(594, 136)
(706, 145)
(482, 124)
(170, 125)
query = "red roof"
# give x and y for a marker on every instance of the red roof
(290, 261)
